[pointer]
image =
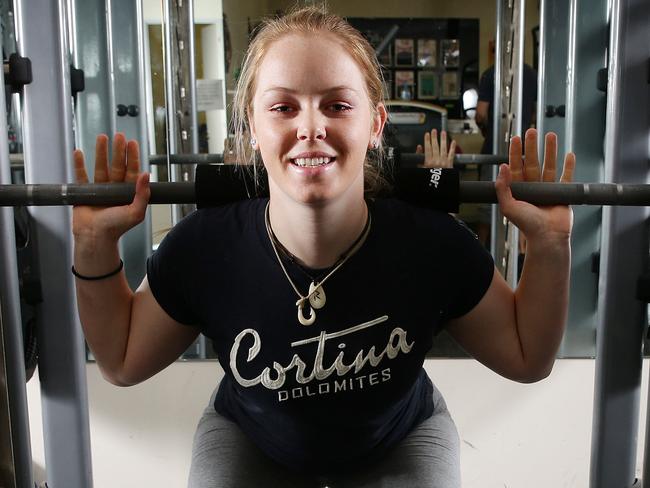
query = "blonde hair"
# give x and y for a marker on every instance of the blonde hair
(306, 20)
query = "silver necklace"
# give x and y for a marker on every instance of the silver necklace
(316, 295)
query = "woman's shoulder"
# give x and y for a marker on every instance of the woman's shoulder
(399, 210)
(213, 223)
(236, 213)
(405, 217)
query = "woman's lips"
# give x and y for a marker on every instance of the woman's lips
(312, 162)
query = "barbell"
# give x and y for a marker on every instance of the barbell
(218, 184)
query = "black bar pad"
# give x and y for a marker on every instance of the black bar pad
(436, 188)
(220, 184)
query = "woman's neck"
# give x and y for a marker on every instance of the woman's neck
(317, 235)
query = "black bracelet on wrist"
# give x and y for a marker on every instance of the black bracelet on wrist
(95, 278)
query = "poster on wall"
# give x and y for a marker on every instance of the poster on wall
(449, 85)
(427, 53)
(404, 52)
(404, 84)
(450, 53)
(427, 85)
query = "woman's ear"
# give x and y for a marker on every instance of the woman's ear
(379, 121)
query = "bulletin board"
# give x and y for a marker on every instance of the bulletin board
(428, 60)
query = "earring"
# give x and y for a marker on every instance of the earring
(253, 141)
(375, 144)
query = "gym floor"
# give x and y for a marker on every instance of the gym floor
(513, 435)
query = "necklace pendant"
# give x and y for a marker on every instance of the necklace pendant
(301, 317)
(317, 297)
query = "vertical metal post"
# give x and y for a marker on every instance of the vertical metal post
(47, 109)
(507, 119)
(624, 253)
(180, 83)
(170, 99)
(110, 71)
(191, 81)
(15, 449)
(499, 48)
(585, 128)
(7, 463)
(552, 69)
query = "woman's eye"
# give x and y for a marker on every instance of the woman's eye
(340, 107)
(281, 108)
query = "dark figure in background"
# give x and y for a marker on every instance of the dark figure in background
(484, 119)
(485, 106)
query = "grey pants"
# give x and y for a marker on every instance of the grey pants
(223, 457)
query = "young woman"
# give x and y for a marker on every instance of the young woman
(321, 301)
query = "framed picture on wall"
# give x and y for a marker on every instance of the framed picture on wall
(427, 53)
(404, 52)
(449, 85)
(427, 85)
(404, 85)
(450, 53)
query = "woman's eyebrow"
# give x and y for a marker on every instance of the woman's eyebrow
(283, 89)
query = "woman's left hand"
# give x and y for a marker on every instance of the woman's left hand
(436, 155)
(535, 222)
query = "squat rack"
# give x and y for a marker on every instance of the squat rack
(48, 137)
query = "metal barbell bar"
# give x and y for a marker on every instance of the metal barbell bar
(224, 183)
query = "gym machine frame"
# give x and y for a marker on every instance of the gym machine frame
(15, 449)
(622, 317)
(619, 348)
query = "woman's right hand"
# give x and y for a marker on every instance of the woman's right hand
(92, 224)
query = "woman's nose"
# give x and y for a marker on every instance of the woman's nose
(311, 129)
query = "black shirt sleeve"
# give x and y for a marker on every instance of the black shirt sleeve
(169, 271)
(471, 270)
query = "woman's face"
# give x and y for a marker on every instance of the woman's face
(312, 119)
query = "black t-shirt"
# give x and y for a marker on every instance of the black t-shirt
(345, 389)
(486, 94)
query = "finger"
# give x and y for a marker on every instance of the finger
(443, 146)
(550, 157)
(531, 163)
(435, 149)
(79, 167)
(132, 161)
(569, 168)
(502, 187)
(418, 149)
(118, 161)
(514, 158)
(428, 154)
(101, 159)
(451, 155)
(138, 207)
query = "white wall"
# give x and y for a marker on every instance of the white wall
(513, 435)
